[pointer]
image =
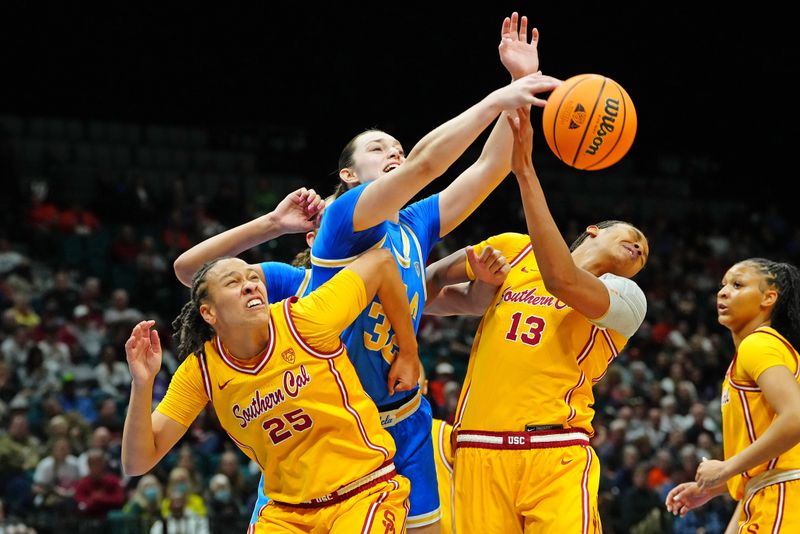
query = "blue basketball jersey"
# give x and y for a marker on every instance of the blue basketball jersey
(369, 339)
(284, 281)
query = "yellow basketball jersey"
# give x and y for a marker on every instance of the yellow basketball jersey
(746, 414)
(298, 410)
(534, 360)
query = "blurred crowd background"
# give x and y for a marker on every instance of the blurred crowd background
(94, 214)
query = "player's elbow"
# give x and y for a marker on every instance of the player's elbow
(134, 468)
(183, 270)
(559, 284)
(793, 424)
(382, 257)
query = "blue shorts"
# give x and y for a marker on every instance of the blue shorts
(413, 459)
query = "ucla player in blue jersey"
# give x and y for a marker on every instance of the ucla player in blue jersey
(376, 184)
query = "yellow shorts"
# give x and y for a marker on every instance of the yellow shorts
(381, 509)
(526, 482)
(775, 508)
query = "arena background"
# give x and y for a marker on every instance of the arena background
(168, 124)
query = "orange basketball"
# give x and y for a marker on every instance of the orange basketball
(589, 122)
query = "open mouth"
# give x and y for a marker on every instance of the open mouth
(391, 167)
(631, 251)
(254, 302)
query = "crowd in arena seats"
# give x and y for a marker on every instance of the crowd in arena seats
(75, 277)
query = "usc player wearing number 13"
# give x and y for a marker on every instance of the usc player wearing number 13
(523, 461)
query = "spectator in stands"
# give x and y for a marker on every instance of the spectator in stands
(15, 348)
(225, 508)
(180, 518)
(112, 375)
(22, 313)
(145, 503)
(101, 440)
(55, 477)
(121, 311)
(108, 416)
(179, 484)
(231, 466)
(76, 401)
(100, 491)
(36, 380)
(63, 295)
(90, 334)
(55, 352)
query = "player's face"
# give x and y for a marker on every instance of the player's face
(237, 295)
(376, 154)
(743, 296)
(627, 249)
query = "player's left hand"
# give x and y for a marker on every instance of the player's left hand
(404, 373)
(711, 473)
(519, 56)
(298, 211)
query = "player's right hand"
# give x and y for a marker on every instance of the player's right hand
(523, 91)
(490, 267)
(404, 372)
(143, 352)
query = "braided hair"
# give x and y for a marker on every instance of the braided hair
(191, 331)
(785, 277)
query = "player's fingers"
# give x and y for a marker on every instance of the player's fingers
(523, 29)
(155, 341)
(505, 28)
(511, 122)
(486, 253)
(472, 258)
(514, 26)
(535, 36)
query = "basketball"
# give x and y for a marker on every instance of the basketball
(589, 122)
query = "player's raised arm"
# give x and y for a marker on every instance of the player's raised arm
(294, 214)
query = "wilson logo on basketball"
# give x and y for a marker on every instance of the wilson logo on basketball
(288, 355)
(606, 125)
(578, 117)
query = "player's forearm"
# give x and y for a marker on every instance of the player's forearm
(782, 435)
(429, 159)
(229, 243)
(552, 253)
(470, 189)
(446, 271)
(468, 298)
(394, 299)
(138, 441)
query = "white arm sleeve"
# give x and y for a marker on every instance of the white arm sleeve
(627, 308)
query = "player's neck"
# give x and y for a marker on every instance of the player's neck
(244, 345)
(588, 262)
